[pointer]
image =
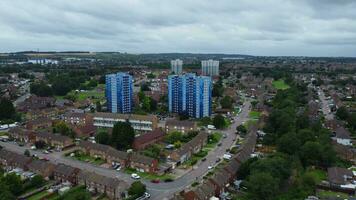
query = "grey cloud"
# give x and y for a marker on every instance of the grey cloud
(262, 27)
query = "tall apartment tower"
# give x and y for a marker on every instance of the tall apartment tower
(210, 67)
(119, 93)
(177, 66)
(190, 94)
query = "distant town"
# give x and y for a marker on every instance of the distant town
(176, 126)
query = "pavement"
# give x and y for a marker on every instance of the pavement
(158, 191)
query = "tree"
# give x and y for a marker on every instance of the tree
(205, 121)
(36, 181)
(226, 102)
(122, 135)
(352, 121)
(40, 144)
(98, 106)
(41, 89)
(27, 153)
(5, 193)
(102, 137)
(137, 189)
(173, 137)
(7, 110)
(342, 113)
(14, 183)
(61, 88)
(262, 186)
(62, 128)
(241, 129)
(219, 121)
(289, 144)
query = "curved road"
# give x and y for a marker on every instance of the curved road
(162, 190)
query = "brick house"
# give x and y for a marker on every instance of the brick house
(55, 140)
(188, 149)
(11, 160)
(21, 135)
(181, 126)
(40, 123)
(143, 163)
(114, 188)
(41, 167)
(145, 140)
(65, 173)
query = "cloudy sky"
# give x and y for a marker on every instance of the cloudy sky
(256, 27)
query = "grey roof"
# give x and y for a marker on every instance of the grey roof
(142, 159)
(103, 180)
(337, 175)
(65, 170)
(125, 116)
(54, 137)
(342, 133)
(185, 123)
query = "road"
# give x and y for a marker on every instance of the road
(325, 105)
(161, 190)
(22, 98)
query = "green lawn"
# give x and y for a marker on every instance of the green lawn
(3, 133)
(149, 176)
(87, 158)
(96, 93)
(39, 195)
(319, 175)
(323, 194)
(255, 114)
(280, 85)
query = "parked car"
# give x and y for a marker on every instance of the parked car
(155, 181)
(135, 176)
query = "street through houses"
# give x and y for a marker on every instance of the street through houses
(163, 190)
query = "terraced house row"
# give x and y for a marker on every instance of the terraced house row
(224, 176)
(112, 156)
(115, 189)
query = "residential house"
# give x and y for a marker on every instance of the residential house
(66, 173)
(201, 192)
(34, 102)
(40, 123)
(78, 118)
(185, 152)
(181, 126)
(341, 178)
(21, 135)
(11, 160)
(114, 188)
(142, 123)
(145, 140)
(143, 163)
(55, 140)
(105, 152)
(41, 167)
(220, 180)
(343, 136)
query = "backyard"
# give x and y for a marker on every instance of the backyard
(280, 84)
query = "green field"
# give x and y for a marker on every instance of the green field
(280, 85)
(330, 194)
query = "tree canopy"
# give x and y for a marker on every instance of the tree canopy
(122, 135)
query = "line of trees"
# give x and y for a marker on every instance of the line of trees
(300, 144)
